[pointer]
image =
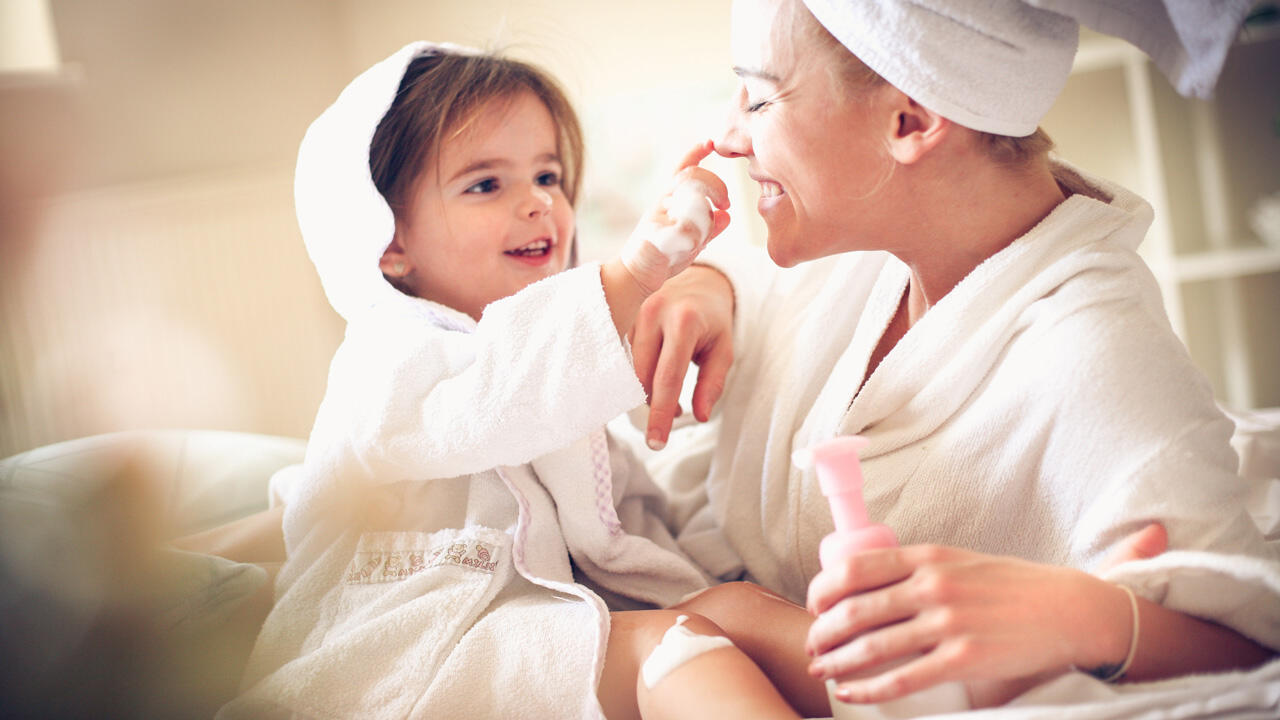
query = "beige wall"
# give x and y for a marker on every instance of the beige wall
(151, 272)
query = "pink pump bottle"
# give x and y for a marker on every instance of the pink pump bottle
(839, 473)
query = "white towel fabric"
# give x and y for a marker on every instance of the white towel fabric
(995, 66)
(1043, 408)
(998, 65)
(1187, 39)
(454, 469)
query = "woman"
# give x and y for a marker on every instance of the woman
(978, 312)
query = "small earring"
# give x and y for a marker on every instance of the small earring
(398, 268)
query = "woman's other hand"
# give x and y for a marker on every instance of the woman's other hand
(970, 617)
(690, 319)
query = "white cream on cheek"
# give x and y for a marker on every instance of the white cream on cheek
(679, 645)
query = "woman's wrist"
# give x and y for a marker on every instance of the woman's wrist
(1108, 647)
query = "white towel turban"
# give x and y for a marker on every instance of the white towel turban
(998, 65)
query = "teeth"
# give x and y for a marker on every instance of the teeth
(770, 189)
(537, 247)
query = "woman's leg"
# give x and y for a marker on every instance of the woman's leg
(719, 682)
(771, 630)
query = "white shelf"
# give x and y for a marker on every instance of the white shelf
(1226, 263)
(1180, 163)
(1098, 52)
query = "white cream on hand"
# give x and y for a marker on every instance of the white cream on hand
(662, 247)
(689, 210)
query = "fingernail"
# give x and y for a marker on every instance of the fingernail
(655, 443)
(817, 669)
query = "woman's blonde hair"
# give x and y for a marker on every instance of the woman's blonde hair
(440, 94)
(850, 75)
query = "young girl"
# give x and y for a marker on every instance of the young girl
(461, 509)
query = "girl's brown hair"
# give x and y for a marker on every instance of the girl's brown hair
(441, 93)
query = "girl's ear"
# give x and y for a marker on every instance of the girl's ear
(394, 263)
(914, 130)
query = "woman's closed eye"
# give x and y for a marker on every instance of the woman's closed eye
(755, 106)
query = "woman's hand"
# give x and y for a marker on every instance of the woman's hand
(969, 616)
(689, 320)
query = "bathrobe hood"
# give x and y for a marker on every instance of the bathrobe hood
(345, 222)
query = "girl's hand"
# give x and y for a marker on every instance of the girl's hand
(969, 616)
(668, 239)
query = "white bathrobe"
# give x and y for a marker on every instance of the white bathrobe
(453, 471)
(1042, 409)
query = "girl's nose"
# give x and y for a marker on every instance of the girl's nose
(536, 204)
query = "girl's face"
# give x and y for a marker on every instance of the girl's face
(488, 216)
(815, 153)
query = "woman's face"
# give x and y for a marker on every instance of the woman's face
(488, 216)
(815, 153)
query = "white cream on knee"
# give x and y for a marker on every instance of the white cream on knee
(679, 645)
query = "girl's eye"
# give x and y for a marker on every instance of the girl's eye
(753, 107)
(487, 185)
(548, 179)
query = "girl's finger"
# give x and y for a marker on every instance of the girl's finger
(696, 155)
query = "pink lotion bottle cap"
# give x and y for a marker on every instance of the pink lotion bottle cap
(839, 473)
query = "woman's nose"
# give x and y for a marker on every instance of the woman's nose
(733, 141)
(536, 204)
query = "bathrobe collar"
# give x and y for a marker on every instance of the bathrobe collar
(945, 356)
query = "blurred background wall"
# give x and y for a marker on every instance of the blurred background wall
(151, 272)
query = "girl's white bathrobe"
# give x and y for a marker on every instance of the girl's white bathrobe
(454, 469)
(1043, 408)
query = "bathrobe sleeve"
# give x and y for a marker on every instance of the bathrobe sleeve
(1147, 442)
(411, 399)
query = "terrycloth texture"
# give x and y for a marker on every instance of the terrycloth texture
(998, 65)
(1075, 696)
(332, 183)
(454, 469)
(1187, 39)
(1043, 409)
(995, 66)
